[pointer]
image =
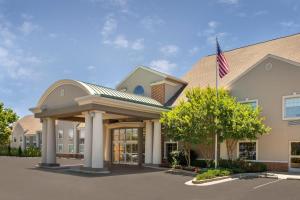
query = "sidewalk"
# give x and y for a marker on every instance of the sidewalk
(285, 175)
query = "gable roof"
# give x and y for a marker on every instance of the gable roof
(240, 60)
(29, 124)
(148, 69)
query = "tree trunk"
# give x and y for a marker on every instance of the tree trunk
(230, 145)
(187, 153)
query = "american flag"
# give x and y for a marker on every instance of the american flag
(222, 62)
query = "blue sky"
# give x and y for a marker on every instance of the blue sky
(101, 41)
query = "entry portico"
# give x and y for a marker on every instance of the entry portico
(114, 123)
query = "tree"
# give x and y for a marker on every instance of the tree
(7, 118)
(202, 115)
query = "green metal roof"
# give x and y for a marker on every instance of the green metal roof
(102, 91)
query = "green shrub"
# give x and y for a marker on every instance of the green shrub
(203, 163)
(20, 152)
(32, 152)
(178, 158)
(213, 173)
(240, 166)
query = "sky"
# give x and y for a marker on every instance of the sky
(101, 41)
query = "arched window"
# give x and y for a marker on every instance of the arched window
(139, 90)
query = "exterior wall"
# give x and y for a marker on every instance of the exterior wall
(17, 133)
(63, 96)
(268, 87)
(143, 78)
(65, 127)
(170, 90)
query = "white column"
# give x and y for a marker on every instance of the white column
(51, 141)
(76, 145)
(97, 152)
(157, 143)
(44, 140)
(148, 142)
(23, 144)
(88, 140)
(107, 144)
(37, 139)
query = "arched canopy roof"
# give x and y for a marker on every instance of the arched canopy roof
(97, 90)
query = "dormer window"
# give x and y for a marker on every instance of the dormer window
(139, 90)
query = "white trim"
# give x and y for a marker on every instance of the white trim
(283, 107)
(56, 85)
(91, 99)
(165, 147)
(259, 62)
(247, 141)
(163, 81)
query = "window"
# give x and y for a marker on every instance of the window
(247, 150)
(21, 139)
(60, 148)
(15, 139)
(291, 107)
(170, 147)
(252, 103)
(71, 134)
(60, 134)
(139, 90)
(71, 148)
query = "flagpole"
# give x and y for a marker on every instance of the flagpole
(217, 94)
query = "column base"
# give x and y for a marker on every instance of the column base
(90, 170)
(48, 165)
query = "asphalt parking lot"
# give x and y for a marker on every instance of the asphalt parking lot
(20, 180)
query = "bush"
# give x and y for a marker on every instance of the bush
(20, 152)
(240, 166)
(213, 173)
(176, 158)
(32, 152)
(203, 163)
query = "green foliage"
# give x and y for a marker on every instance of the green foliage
(203, 163)
(202, 115)
(213, 173)
(20, 152)
(240, 166)
(7, 118)
(32, 152)
(8, 151)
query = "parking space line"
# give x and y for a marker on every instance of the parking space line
(262, 185)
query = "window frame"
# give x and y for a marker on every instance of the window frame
(247, 141)
(165, 147)
(73, 133)
(62, 131)
(69, 148)
(250, 101)
(62, 148)
(283, 107)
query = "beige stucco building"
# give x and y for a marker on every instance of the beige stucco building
(266, 74)
(122, 125)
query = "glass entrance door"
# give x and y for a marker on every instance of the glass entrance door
(125, 146)
(295, 155)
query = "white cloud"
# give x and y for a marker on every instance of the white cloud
(138, 44)
(194, 50)
(232, 2)
(151, 23)
(163, 65)
(169, 50)
(289, 24)
(91, 67)
(28, 27)
(213, 24)
(110, 25)
(211, 33)
(260, 13)
(121, 42)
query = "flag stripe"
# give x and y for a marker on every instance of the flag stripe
(221, 62)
